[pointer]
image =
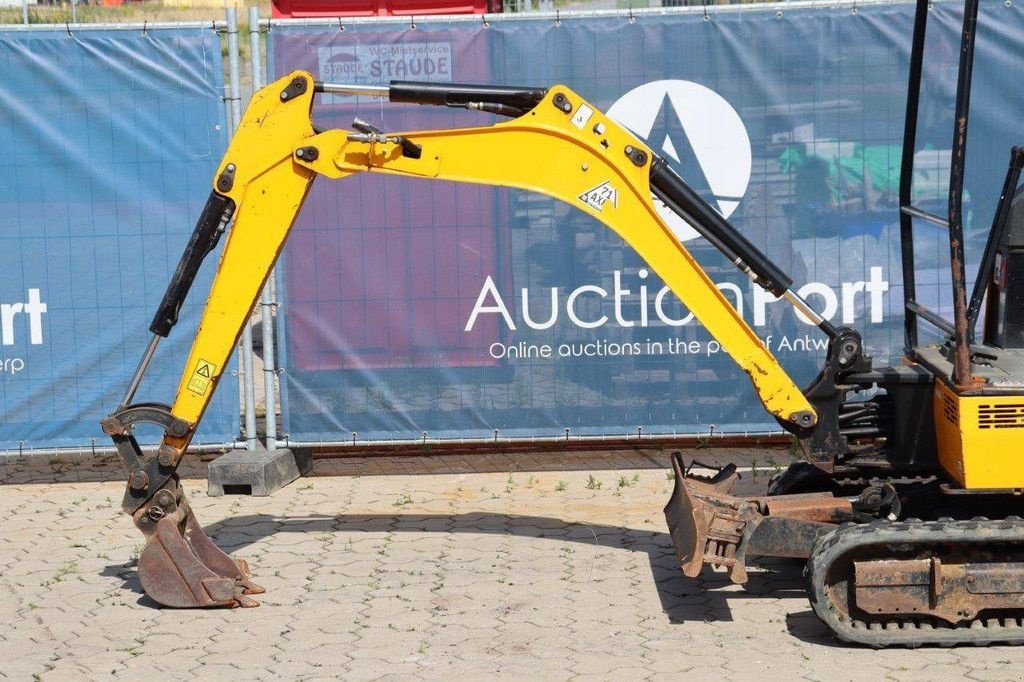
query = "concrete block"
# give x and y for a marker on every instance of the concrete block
(257, 472)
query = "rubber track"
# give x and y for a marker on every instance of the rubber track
(906, 632)
(852, 485)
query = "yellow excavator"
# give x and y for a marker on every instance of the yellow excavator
(904, 503)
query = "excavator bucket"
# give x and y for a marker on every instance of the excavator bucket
(710, 526)
(706, 522)
(687, 523)
(180, 566)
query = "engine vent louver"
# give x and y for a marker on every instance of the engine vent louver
(1009, 416)
(949, 408)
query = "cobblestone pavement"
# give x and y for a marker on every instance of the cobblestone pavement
(450, 567)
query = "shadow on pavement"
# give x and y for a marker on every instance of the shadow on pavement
(129, 581)
(705, 598)
(83, 467)
(806, 627)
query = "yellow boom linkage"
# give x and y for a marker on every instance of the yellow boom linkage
(543, 151)
(560, 146)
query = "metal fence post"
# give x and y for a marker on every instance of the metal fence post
(24, 11)
(267, 302)
(260, 469)
(235, 98)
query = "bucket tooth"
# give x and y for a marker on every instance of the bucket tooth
(215, 558)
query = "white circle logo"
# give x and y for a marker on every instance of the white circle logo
(699, 133)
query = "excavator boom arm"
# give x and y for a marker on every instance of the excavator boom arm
(563, 147)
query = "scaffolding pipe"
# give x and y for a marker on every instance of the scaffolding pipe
(614, 441)
(246, 370)
(130, 26)
(8, 456)
(547, 13)
(267, 302)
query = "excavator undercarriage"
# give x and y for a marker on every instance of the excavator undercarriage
(872, 579)
(906, 503)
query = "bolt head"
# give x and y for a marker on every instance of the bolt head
(138, 480)
(166, 455)
(802, 418)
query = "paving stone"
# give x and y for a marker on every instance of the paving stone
(475, 578)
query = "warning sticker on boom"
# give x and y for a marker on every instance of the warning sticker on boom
(597, 197)
(202, 377)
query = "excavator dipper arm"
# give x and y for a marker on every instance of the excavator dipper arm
(556, 144)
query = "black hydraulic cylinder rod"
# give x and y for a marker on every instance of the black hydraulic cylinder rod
(691, 207)
(204, 238)
(460, 94)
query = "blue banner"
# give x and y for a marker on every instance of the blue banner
(110, 139)
(414, 306)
